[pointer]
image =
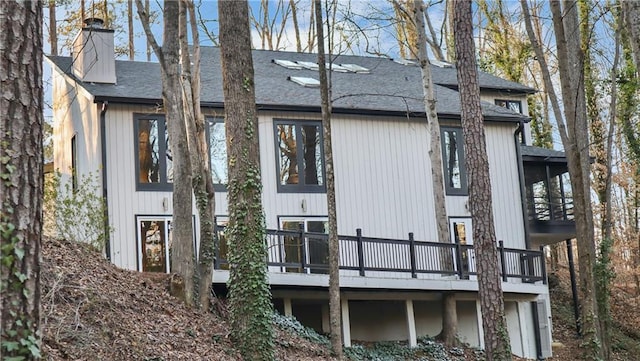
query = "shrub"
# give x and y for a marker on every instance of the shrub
(75, 214)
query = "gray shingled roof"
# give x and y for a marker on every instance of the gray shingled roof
(539, 152)
(390, 87)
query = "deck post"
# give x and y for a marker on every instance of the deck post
(411, 323)
(412, 254)
(346, 324)
(303, 250)
(288, 309)
(458, 250)
(360, 251)
(543, 265)
(503, 264)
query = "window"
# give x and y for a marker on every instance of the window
(299, 153)
(74, 163)
(218, 153)
(455, 174)
(154, 167)
(514, 105)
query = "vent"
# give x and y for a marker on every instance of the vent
(287, 64)
(305, 81)
(356, 68)
(405, 62)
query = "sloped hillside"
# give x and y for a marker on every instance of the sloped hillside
(95, 311)
(626, 321)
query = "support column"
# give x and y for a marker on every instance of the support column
(411, 324)
(326, 322)
(346, 324)
(288, 310)
(480, 327)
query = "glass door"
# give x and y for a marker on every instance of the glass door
(461, 233)
(313, 250)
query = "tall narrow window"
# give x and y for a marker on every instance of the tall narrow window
(154, 165)
(455, 174)
(218, 153)
(299, 155)
(74, 163)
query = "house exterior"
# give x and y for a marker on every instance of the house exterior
(109, 121)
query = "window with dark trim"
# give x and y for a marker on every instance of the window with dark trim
(514, 105)
(74, 163)
(455, 173)
(299, 156)
(218, 153)
(154, 165)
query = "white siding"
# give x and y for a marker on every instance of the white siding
(505, 184)
(383, 178)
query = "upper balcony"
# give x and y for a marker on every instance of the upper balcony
(299, 258)
(548, 195)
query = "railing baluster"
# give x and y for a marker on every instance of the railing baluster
(543, 267)
(360, 251)
(412, 254)
(502, 261)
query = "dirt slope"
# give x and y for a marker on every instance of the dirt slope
(95, 311)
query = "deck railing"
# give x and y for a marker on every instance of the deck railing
(543, 208)
(308, 252)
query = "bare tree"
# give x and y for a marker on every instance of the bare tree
(182, 252)
(21, 180)
(132, 52)
(496, 336)
(198, 151)
(334, 246)
(449, 317)
(631, 17)
(249, 295)
(573, 127)
(53, 28)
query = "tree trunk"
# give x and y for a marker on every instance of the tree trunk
(631, 17)
(132, 52)
(249, 295)
(566, 27)
(450, 319)
(53, 28)
(497, 345)
(182, 249)
(21, 181)
(199, 154)
(334, 246)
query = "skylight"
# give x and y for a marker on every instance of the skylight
(305, 81)
(405, 62)
(441, 64)
(308, 65)
(287, 64)
(338, 68)
(356, 68)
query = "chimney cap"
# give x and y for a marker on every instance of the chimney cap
(94, 23)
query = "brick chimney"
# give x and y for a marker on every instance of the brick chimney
(93, 53)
